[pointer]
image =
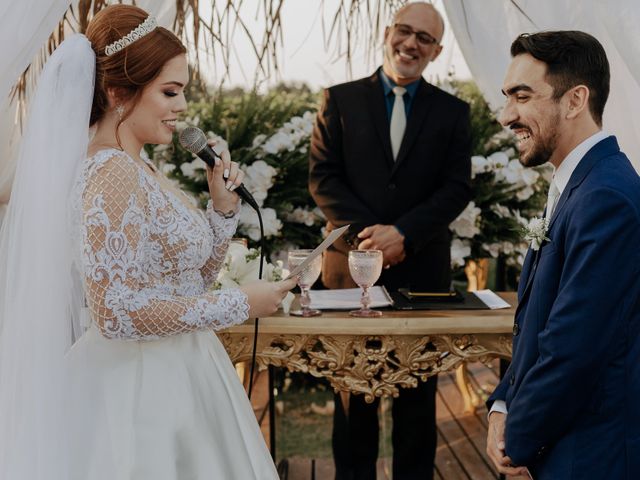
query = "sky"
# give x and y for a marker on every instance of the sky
(304, 57)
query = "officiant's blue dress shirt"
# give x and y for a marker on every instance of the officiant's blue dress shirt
(390, 98)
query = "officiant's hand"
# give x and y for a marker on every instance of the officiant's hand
(496, 446)
(386, 238)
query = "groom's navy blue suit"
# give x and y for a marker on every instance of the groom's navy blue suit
(573, 387)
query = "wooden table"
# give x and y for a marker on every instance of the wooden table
(376, 356)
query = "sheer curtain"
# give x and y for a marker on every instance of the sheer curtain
(484, 30)
(26, 26)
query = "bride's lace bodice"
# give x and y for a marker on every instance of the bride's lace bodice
(148, 256)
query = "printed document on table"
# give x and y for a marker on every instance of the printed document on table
(348, 298)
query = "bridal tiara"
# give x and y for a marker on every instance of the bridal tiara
(137, 33)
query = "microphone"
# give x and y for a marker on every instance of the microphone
(194, 140)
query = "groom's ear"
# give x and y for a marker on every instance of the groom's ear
(577, 101)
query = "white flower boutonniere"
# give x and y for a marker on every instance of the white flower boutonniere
(536, 232)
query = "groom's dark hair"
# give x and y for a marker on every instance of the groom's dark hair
(572, 58)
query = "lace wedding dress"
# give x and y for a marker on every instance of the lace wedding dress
(155, 396)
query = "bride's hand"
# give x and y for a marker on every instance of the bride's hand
(265, 297)
(223, 179)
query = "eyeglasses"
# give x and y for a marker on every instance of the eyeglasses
(405, 31)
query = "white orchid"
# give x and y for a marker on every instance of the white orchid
(493, 248)
(305, 216)
(524, 193)
(259, 178)
(466, 225)
(500, 210)
(460, 250)
(250, 226)
(479, 164)
(498, 160)
(189, 168)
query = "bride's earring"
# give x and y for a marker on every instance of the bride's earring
(119, 110)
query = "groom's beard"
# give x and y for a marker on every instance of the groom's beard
(543, 144)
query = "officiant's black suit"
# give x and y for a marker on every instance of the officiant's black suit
(354, 180)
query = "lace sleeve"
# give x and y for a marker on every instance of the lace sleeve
(223, 229)
(125, 300)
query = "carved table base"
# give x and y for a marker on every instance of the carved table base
(372, 365)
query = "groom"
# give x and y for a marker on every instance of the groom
(568, 407)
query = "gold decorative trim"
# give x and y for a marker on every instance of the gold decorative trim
(372, 365)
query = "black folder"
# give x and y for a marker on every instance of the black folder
(404, 299)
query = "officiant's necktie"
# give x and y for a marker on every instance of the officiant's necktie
(552, 198)
(398, 121)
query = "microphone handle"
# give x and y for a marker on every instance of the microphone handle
(208, 155)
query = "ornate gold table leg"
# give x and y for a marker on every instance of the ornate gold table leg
(469, 396)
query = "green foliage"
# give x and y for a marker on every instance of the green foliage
(269, 134)
(483, 122)
(246, 120)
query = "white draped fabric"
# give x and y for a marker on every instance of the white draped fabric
(484, 30)
(26, 25)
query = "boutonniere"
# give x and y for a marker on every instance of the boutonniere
(536, 232)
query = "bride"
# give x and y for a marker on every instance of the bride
(109, 365)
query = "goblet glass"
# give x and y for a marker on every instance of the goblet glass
(365, 267)
(305, 280)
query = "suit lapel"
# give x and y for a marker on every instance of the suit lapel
(417, 115)
(604, 148)
(378, 109)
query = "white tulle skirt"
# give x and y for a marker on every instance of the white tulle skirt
(170, 409)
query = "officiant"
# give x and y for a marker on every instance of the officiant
(390, 155)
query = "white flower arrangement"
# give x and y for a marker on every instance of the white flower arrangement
(242, 265)
(248, 223)
(506, 196)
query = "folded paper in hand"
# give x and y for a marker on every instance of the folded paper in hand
(332, 237)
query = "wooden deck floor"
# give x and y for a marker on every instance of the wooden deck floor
(461, 437)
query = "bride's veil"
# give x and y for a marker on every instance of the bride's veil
(39, 296)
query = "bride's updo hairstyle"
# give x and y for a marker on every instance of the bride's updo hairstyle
(135, 66)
